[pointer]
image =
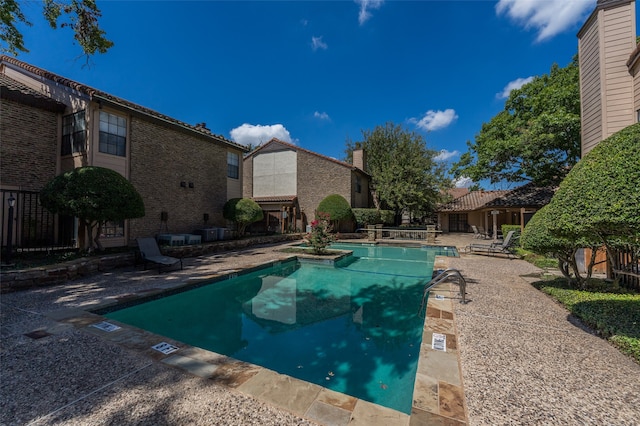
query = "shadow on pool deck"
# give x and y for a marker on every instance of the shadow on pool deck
(521, 360)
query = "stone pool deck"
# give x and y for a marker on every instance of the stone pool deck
(522, 360)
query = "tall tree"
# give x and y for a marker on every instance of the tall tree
(404, 173)
(535, 138)
(79, 15)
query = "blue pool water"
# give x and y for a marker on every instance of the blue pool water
(353, 327)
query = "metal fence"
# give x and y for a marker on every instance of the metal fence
(33, 227)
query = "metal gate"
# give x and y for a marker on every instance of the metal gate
(33, 228)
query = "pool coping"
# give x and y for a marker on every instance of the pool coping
(438, 389)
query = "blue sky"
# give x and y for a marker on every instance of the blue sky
(317, 73)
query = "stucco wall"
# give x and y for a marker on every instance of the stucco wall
(275, 173)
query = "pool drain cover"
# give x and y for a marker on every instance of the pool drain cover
(106, 326)
(165, 348)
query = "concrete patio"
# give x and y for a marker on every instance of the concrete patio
(523, 359)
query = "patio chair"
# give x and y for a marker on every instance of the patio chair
(150, 252)
(477, 233)
(499, 247)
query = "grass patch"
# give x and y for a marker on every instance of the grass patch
(611, 311)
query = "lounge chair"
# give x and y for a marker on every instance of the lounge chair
(478, 233)
(499, 247)
(150, 252)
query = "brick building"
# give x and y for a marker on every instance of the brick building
(50, 124)
(289, 182)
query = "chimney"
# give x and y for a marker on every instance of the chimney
(360, 159)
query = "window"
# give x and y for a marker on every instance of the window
(638, 116)
(358, 185)
(73, 133)
(113, 134)
(458, 222)
(112, 229)
(233, 165)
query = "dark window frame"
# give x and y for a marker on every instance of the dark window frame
(233, 170)
(74, 133)
(112, 134)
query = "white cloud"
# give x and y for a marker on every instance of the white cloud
(549, 17)
(434, 120)
(365, 7)
(446, 155)
(463, 182)
(321, 115)
(512, 85)
(317, 43)
(258, 134)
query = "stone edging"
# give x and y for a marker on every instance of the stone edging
(21, 279)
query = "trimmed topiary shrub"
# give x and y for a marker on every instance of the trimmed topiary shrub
(95, 195)
(337, 209)
(596, 204)
(242, 212)
(601, 194)
(538, 238)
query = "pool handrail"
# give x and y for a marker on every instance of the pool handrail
(443, 275)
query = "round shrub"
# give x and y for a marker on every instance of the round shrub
(243, 212)
(336, 207)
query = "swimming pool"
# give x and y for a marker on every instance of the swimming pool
(352, 327)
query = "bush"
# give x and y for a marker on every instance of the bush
(538, 238)
(388, 217)
(365, 217)
(95, 195)
(242, 212)
(614, 316)
(505, 230)
(601, 195)
(321, 233)
(336, 207)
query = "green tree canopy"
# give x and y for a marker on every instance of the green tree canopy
(94, 195)
(243, 212)
(535, 138)
(81, 16)
(404, 173)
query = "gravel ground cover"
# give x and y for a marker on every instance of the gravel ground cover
(525, 360)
